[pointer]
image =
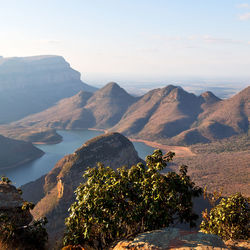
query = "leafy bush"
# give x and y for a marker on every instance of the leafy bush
(229, 219)
(115, 204)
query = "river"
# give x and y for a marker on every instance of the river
(71, 141)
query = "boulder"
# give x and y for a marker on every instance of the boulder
(11, 205)
(172, 238)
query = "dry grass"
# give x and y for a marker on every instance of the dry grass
(229, 171)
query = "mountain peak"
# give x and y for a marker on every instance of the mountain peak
(112, 85)
(209, 97)
(112, 88)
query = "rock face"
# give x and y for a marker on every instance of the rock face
(31, 84)
(11, 203)
(112, 150)
(9, 197)
(172, 238)
(15, 152)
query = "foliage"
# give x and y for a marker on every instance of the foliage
(115, 204)
(229, 219)
(28, 205)
(5, 180)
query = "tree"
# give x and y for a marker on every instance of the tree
(229, 219)
(115, 204)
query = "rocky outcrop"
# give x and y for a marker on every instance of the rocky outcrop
(172, 238)
(111, 149)
(32, 84)
(15, 152)
(11, 203)
(11, 212)
(9, 196)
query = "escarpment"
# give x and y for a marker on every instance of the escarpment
(32, 84)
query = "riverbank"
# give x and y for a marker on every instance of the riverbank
(24, 161)
(180, 151)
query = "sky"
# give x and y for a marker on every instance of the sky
(133, 40)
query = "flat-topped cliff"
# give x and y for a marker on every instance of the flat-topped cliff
(32, 84)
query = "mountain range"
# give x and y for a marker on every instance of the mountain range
(169, 115)
(31, 84)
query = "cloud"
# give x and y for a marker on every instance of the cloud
(244, 5)
(245, 16)
(51, 41)
(47, 41)
(210, 39)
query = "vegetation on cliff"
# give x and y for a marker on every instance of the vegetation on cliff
(115, 204)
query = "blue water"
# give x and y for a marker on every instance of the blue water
(71, 141)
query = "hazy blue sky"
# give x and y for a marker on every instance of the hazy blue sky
(133, 39)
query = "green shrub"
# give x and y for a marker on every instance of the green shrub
(5, 179)
(229, 219)
(115, 204)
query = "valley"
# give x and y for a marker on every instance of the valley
(72, 140)
(124, 125)
(108, 125)
(199, 129)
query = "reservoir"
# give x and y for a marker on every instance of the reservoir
(71, 141)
